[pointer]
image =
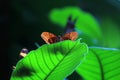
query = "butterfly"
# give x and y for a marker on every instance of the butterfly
(50, 38)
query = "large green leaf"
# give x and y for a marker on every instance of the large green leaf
(101, 64)
(50, 62)
(86, 23)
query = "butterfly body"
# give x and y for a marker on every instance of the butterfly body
(50, 38)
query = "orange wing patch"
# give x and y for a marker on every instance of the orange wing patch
(49, 37)
(70, 36)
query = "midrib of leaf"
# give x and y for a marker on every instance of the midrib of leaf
(59, 62)
(101, 68)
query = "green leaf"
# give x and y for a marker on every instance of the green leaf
(86, 23)
(50, 62)
(101, 64)
(111, 33)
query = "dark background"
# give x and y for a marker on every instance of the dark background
(22, 22)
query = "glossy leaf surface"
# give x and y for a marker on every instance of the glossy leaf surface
(101, 64)
(50, 62)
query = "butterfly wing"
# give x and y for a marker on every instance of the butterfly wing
(49, 37)
(70, 36)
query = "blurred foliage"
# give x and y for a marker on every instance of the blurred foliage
(111, 33)
(86, 24)
(108, 16)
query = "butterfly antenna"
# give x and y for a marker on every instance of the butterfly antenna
(37, 45)
(70, 26)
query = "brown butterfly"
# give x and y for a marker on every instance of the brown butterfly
(50, 38)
